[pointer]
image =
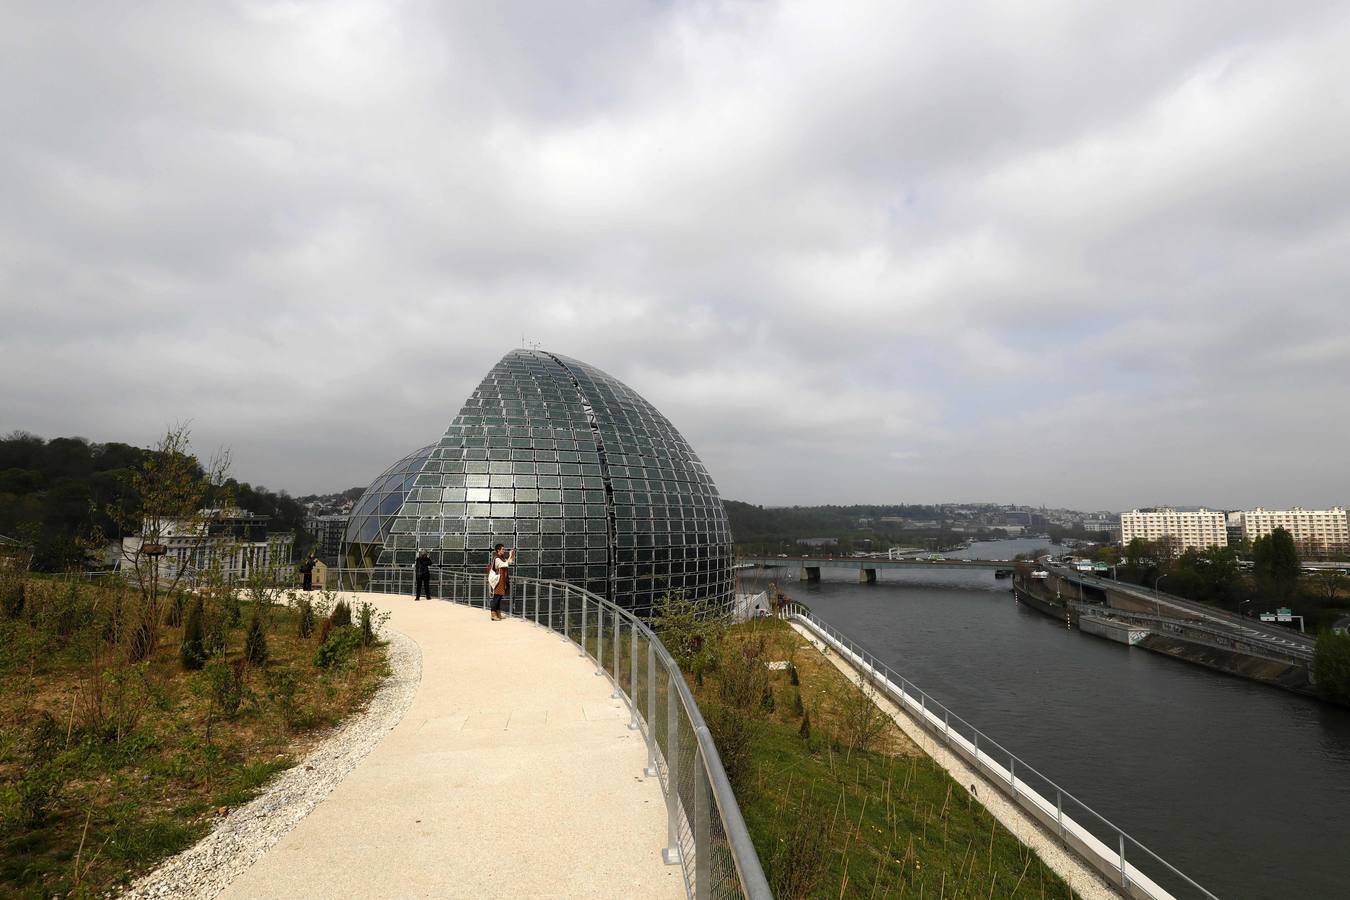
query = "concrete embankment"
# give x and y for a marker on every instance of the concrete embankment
(1030, 818)
(1289, 675)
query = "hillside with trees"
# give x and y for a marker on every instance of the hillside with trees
(66, 496)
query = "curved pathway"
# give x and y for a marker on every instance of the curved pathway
(513, 774)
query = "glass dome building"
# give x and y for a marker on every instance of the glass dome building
(587, 480)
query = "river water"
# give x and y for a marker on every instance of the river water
(1244, 787)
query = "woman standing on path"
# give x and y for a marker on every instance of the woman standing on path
(499, 578)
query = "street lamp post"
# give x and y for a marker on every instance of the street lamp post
(1157, 608)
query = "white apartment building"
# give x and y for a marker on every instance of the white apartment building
(1199, 529)
(1315, 531)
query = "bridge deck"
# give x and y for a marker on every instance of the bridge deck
(513, 774)
(854, 563)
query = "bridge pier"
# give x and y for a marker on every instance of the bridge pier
(867, 576)
(810, 574)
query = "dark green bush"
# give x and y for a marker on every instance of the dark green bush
(192, 652)
(797, 708)
(805, 730)
(338, 648)
(342, 614)
(732, 733)
(225, 685)
(305, 625)
(282, 686)
(232, 609)
(793, 677)
(255, 644)
(12, 596)
(177, 606)
(1331, 666)
(367, 625)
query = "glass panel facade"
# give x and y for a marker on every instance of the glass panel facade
(587, 480)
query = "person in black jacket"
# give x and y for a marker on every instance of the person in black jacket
(422, 568)
(307, 570)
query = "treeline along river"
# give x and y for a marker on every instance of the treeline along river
(1244, 787)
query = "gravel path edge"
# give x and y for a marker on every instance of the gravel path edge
(243, 835)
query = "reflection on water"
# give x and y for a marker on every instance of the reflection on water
(1242, 786)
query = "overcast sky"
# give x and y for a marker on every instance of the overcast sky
(1082, 254)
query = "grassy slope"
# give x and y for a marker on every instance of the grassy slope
(136, 794)
(894, 824)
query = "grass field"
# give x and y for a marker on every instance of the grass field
(108, 766)
(853, 808)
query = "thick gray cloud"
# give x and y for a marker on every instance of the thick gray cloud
(1092, 255)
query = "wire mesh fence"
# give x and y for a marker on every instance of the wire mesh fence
(706, 834)
(1137, 870)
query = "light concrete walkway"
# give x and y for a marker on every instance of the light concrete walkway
(513, 774)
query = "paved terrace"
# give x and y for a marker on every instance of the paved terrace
(513, 774)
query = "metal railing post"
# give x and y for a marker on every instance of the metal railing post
(584, 651)
(671, 853)
(599, 638)
(652, 770)
(1059, 813)
(1012, 779)
(550, 607)
(1124, 879)
(632, 676)
(618, 631)
(702, 832)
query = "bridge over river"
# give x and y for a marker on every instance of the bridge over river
(868, 568)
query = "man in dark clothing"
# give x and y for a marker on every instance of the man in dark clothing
(307, 570)
(422, 568)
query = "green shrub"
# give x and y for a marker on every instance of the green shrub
(305, 624)
(338, 648)
(1331, 666)
(797, 708)
(342, 614)
(793, 678)
(192, 652)
(367, 625)
(214, 642)
(225, 685)
(732, 732)
(805, 730)
(232, 609)
(766, 701)
(12, 597)
(282, 686)
(255, 644)
(177, 606)
(142, 641)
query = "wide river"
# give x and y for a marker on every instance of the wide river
(1244, 787)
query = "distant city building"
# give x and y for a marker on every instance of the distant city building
(1315, 531)
(328, 532)
(818, 542)
(1196, 529)
(1103, 523)
(234, 541)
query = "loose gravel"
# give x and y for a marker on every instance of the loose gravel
(246, 833)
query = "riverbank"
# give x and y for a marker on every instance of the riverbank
(1283, 674)
(843, 802)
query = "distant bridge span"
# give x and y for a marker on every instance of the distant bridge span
(867, 568)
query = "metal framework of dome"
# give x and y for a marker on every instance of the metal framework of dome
(374, 514)
(586, 479)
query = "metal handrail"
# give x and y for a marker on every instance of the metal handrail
(977, 747)
(704, 822)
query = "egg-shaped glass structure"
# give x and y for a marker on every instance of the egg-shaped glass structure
(587, 480)
(374, 513)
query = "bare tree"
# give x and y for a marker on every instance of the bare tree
(171, 491)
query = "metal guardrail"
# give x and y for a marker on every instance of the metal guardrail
(1135, 869)
(705, 832)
